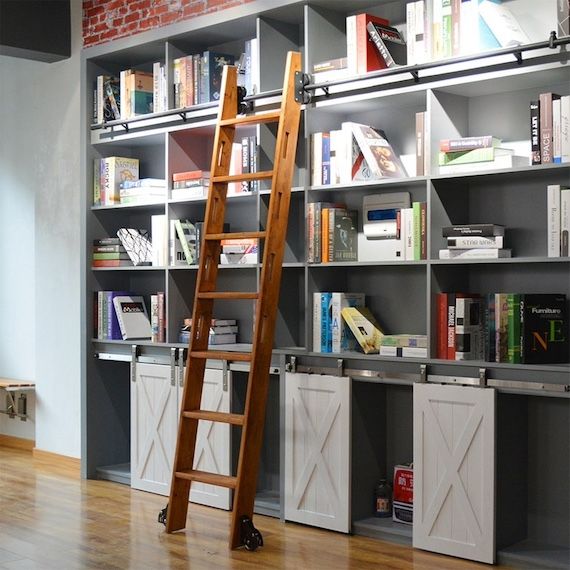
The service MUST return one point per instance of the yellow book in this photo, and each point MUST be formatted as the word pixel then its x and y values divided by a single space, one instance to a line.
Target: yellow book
pixel 364 327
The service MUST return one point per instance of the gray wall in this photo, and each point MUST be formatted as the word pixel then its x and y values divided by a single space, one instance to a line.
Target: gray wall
pixel 40 241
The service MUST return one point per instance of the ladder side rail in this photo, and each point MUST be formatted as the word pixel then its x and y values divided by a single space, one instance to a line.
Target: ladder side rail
pixel 266 310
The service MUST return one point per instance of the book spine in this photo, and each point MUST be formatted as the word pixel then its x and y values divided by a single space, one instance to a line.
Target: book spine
pixel 317 159
pixel 553 220
pixel 161 316
pixel 380 45
pixel 466 143
pixel 446 28
pixel 154 318
pixel 522 325
pixel 423 230
pixel 245 185
pixel 490 327
pixel 351 54
pixel 495 242
pixel 420 144
pixel 535 132
pixel 556 132
pixel 97 182
pixel 310 232
pixel 455 27
pixel 336 321
pixel 416 209
pixel 317 322
pixel 513 329
pixel 205 78
pixel 252 155
pixel 565 222
pixel 411 32
pixel 421 37
pixel 325 322
pixel 325 213
pixel 501 327
pixel 441 325
pixel 546 127
pixel 565 128
pixel 451 325
pixel 326 159
pixel 100 309
pixel 318 223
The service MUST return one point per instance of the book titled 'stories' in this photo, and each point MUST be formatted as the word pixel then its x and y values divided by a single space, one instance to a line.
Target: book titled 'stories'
pixel 133 317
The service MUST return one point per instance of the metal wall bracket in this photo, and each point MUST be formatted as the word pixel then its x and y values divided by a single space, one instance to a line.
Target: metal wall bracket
pixel 482 377
pixel 551 39
pixel 183 116
pixel 135 351
pixel 518 56
pixel 301 81
pixel 415 75
pixel 423 373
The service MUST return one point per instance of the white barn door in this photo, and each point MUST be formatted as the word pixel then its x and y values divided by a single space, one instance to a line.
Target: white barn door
pixel 317 450
pixel 454 471
pixel 154 417
pixel 213 442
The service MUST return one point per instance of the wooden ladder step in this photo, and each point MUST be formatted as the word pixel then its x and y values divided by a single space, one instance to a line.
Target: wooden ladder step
pixel 271 117
pixel 210 478
pixel 222 355
pixel 244 176
pixel 235 235
pixel 227 295
pixel 221 417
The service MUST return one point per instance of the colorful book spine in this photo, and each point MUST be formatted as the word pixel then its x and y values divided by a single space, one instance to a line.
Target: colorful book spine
pixel 513 328
pixel 535 132
pixel 546 140
pixel 326 336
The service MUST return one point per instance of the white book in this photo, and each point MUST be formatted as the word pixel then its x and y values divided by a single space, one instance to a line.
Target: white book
pixel 156 100
pixel 503 161
pixel 565 128
pixel 317 159
pixel 175 249
pixel 564 222
pixel 337 153
pixel 330 75
pixel 411 33
pixel 238 258
pixel 414 352
pixel 351 50
pixel 407 232
pixel 553 220
pixel 556 131
pixel 420 39
pixel 154 317
pixel 342 338
pixel 390 350
pixel 132 316
pixel 467 242
pixel 159 239
pixel 469 27
pixel 503 24
pixel 475 253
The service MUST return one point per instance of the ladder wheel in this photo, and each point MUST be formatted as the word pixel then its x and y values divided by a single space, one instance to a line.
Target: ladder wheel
pixel 162 515
pixel 250 537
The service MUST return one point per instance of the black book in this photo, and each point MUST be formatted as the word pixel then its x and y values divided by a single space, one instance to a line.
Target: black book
pixel 535 132
pixel 473 230
pixel 389 43
pixel 544 329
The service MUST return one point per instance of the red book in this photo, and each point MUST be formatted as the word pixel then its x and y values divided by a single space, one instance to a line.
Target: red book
pixel 367 55
pixel 111 263
pixel 441 325
pixel 190 175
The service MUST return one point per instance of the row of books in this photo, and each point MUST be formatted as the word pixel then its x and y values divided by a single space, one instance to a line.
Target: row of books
pixel 353 152
pixel 558 220
pixel 474 241
pixel 550 129
pixel 503 327
pixel 122 315
pixel 222 331
pixel 108 175
pixel 475 153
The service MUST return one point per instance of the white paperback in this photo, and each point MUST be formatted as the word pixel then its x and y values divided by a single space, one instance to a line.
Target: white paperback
pixel 565 222
pixel 480 242
pixel 342 338
pixel 159 240
pixel 474 253
pixel 553 220
pixel 132 316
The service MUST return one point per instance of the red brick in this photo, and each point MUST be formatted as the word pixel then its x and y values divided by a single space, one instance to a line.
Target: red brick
pixel 149 23
pixel 109 34
pixel 132 17
pixel 169 18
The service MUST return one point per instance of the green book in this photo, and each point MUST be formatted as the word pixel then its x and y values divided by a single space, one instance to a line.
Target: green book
pixel 513 328
pixel 468 156
pixel 417 229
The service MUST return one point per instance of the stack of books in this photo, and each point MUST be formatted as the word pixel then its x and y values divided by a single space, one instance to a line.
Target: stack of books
pixel 222 331
pixel 330 70
pixel 472 154
pixel 474 241
pixel 190 184
pixel 142 191
pixel 241 251
pixel 110 252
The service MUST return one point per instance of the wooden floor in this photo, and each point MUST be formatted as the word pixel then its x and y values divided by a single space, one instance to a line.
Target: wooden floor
pixel 51 519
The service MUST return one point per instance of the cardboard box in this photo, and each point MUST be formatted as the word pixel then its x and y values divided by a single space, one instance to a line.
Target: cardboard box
pixel 403 503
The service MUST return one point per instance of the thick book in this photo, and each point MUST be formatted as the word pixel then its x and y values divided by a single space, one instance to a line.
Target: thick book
pixel 469 156
pixel 133 317
pixel 343 235
pixel 486 230
pixel 378 152
pixel 544 329
pixel 211 74
pixel 186 232
pixel 342 338
pixel 503 24
pixel 474 253
pixel 389 42
pixel 479 242
pixel 364 327
pixel 362 55
pixel 553 193
pixel 499 162
pixel 546 136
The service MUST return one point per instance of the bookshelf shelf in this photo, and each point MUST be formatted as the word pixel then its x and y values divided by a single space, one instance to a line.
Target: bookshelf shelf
pixel 465 96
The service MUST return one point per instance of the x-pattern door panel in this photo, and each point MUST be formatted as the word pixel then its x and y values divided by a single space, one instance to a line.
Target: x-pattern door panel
pixel 154 416
pixel 317 450
pixel 454 471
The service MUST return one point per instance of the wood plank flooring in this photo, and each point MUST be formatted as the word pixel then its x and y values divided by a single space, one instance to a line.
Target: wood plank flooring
pixel 51 519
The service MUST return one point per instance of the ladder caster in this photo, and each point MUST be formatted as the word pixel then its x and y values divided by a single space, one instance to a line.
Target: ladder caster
pixel 162 515
pixel 250 537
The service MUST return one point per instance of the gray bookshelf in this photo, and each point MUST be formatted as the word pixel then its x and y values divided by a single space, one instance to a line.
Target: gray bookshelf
pixel 533 464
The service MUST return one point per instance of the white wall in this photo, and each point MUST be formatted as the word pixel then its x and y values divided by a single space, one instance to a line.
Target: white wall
pixel 40 239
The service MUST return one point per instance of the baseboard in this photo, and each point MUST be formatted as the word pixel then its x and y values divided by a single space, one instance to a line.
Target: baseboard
pixel 61 460
pixel 17 442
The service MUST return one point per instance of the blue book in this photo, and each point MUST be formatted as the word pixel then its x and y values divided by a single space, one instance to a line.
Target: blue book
pixel 326 330
pixel 326 158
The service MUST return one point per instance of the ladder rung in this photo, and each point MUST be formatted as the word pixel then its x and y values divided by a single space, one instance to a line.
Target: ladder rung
pixel 228 295
pixel 222 355
pixel 222 417
pixel 244 176
pixel 209 478
pixel 235 235
pixel 271 117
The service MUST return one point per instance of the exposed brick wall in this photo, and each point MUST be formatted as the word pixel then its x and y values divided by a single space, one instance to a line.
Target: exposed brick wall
pixel 106 20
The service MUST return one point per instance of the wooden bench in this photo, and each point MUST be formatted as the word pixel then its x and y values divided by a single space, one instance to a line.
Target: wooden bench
pixel 11 386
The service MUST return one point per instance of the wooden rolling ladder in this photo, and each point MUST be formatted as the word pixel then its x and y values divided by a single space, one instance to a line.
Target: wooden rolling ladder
pixel 267 297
